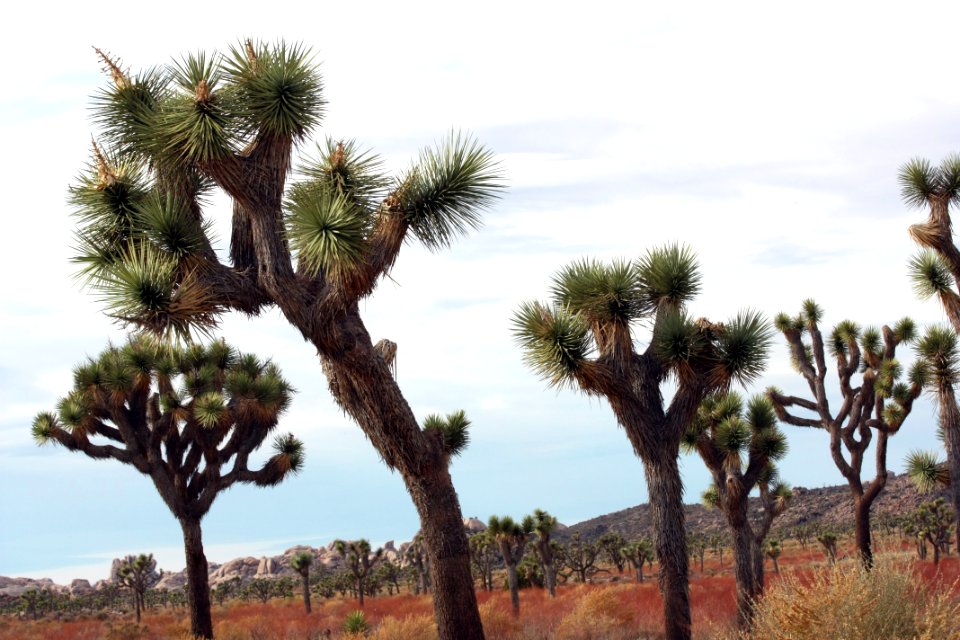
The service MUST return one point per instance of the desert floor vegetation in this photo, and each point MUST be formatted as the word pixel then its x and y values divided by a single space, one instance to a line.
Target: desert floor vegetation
pixel 901 598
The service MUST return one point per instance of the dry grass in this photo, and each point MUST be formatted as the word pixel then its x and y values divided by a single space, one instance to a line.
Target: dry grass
pixel 846 601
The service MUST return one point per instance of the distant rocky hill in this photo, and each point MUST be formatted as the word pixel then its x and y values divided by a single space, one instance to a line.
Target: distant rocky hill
pixel 829 507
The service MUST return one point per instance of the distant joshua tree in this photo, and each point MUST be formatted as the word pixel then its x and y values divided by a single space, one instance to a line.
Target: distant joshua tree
pixel 611 544
pixel 637 553
pixel 828 541
pixel 138 573
pixel 580 557
pixel 483 551
pixel 877 406
pixel 301 563
pixel 542 524
pixel 932 522
pixel 773 551
pixel 512 538
pixel 359 559
pixel 739 448
pixel 189 418
pixel 583 339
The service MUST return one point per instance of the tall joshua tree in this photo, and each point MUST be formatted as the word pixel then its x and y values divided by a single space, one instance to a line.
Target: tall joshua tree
pixel 936 272
pixel 879 404
pixel 583 339
pixel 138 573
pixel 483 550
pixel 939 353
pixel 301 563
pixel 189 418
pixel 542 524
pixel 314 249
pixel 637 553
pixel 512 538
pixel 360 560
pixel 723 434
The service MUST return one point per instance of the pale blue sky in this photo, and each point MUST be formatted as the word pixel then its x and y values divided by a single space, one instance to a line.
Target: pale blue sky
pixel 767 138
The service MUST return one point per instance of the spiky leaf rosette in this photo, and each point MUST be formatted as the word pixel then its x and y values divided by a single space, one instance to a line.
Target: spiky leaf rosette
pixel 601 293
pixel 742 349
pixel 555 341
pixel 341 167
pixel 158 406
pixel 920 180
pixel 443 195
pixel 327 230
pixel 669 276
pixel 454 431
pixel 926 470
pixel 940 356
pixel 278 88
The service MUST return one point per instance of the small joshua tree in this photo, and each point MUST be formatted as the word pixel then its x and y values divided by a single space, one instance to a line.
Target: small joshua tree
pixel 739 448
pixel 483 551
pixel 189 418
pixel 611 544
pixel 416 557
pixel 512 538
pixel 878 405
pixel 360 560
pixel 637 553
pixel 580 557
pixel 138 573
pixel 828 541
pixel 542 524
pixel 773 551
pixel 932 522
pixel 301 563
pixel 584 339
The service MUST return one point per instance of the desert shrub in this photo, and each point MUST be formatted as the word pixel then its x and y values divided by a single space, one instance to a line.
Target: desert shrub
pixel 407 628
pixel 126 631
pixel 847 601
pixel 598 615
pixel 498 623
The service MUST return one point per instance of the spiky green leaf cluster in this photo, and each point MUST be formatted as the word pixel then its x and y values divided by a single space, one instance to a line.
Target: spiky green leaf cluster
pixel 444 194
pixel 938 351
pixel 454 431
pixel 926 470
pixel 930 274
pixel 920 180
pixel 555 341
pixel 600 292
pixel 743 347
pixel 327 230
pixel 669 275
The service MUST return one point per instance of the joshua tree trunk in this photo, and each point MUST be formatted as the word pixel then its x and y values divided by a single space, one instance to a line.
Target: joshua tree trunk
pixel 448 554
pixel 669 539
pixel 361 587
pixel 950 422
pixel 306 592
pixel 640 572
pixel 198 583
pixel 514 590
pixel 136 604
pixel 744 563
pixel 360 381
pixel 861 528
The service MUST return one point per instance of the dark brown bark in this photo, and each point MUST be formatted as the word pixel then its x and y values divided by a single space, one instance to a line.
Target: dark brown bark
pixel 861 529
pixel 744 571
pixel 306 592
pixel 448 553
pixel 950 422
pixel 198 584
pixel 669 539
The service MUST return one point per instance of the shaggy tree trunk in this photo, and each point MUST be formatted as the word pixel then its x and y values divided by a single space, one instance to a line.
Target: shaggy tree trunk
pixel 758 577
pixel 744 568
pixel 448 553
pixel 950 422
pixel 306 592
pixel 514 588
pixel 360 381
pixel 670 542
pixel 861 528
pixel 198 582
pixel 550 576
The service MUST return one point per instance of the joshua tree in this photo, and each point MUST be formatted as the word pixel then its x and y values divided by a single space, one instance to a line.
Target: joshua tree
pixel 697 544
pixel 301 563
pixel 940 356
pixel 580 557
pixel 739 448
pixel 932 522
pixel 416 557
pixel 360 560
pixel 828 541
pixel 138 573
pixel 637 553
pixel 773 551
pixel 512 538
pixel 583 339
pixel 936 272
pixel 611 544
pixel 879 404
pixel 483 549
pixel 542 524
pixel 314 250
pixel 189 418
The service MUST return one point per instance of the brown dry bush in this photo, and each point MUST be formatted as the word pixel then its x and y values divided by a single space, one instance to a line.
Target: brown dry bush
pixel 847 601
pixel 408 628
pixel 599 615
